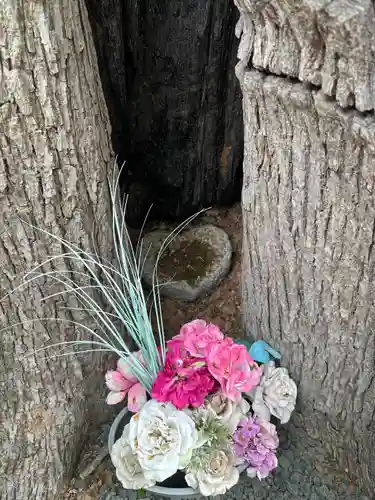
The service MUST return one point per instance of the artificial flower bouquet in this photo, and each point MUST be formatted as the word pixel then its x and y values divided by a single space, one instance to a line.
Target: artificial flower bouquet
pixel 202 404
pixel 208 413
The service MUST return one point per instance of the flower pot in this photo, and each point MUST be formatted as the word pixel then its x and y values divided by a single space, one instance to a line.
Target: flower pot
pixel 174 486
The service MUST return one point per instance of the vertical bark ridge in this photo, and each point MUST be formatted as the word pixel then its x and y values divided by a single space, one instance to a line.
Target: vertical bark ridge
pixel 54 158
pixel 308 263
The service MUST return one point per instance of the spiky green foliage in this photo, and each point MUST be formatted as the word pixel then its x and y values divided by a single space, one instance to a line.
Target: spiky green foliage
pixel 200 458
pixel 112 294
pixel 210 429
pixel 212 434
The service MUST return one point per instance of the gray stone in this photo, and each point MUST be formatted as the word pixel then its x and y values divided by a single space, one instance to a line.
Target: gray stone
pixel 110 495
pixel 293 488
pixel 314 496
pixel 297 477
pixel 207 251
pixel 323 491
pixel 284 463
pixel 257 486
pixel 317 481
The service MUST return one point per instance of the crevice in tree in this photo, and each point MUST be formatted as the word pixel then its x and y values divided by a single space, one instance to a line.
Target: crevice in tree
pixel 313 89
pixel 167 70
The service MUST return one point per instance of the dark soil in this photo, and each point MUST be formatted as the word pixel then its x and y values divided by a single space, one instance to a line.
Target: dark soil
pixel 187 261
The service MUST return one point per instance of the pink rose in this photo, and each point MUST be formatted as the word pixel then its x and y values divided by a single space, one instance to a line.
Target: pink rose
pixel 197 335
pixel 196 326
pixel 197 343
pixel 233 367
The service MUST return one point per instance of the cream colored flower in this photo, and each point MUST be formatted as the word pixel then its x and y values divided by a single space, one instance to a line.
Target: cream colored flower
pixel 163 438
pixel 128 469
pixel 275 395
pixel 228 412
pixel 216 476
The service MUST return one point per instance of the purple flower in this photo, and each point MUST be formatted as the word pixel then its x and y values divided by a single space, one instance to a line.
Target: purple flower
pixel 256 441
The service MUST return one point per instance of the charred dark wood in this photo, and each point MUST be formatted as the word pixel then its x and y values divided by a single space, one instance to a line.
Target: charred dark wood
pixel 167 69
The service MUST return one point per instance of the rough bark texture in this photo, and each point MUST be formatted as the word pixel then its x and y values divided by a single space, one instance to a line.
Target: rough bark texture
pixel 308 261
pixel 54 157
pixel 309 212
pixel 328 43
pixel 175 105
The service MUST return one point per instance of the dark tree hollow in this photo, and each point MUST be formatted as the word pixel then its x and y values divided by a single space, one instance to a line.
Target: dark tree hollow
pixel 167 70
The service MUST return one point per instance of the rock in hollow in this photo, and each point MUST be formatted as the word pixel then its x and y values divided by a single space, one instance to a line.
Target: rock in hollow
pixel 192 265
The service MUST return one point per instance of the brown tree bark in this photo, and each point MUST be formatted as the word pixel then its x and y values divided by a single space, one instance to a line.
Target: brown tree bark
pixel 54 158
pixel 309 212
pixel 175 105
pixel 328 44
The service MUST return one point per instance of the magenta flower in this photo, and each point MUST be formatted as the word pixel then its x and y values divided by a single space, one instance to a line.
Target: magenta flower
pixel 233 367
pixel 255 441
pixel 122 382
pixel 184 381
pixel 176 352
pixel 197 336
pixel 187 388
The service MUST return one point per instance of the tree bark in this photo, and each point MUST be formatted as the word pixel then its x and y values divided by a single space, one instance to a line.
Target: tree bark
pixel 168 74
pixel 326 43
pixel 308 216
pixel 54 158
pixel 309 211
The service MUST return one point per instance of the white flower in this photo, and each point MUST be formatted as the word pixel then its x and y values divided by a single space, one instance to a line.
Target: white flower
pixel 275 395
pixel 128 469
pixel 217 475
pixel 163 439
pixel 228 412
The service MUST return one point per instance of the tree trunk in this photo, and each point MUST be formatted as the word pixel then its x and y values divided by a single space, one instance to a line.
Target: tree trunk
pixel 168 74
pixel 308 213
pixel 54 158
pixel 328 44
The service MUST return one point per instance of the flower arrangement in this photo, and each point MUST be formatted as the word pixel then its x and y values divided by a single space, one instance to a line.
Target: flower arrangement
pixel 201 402
pixel 208 414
